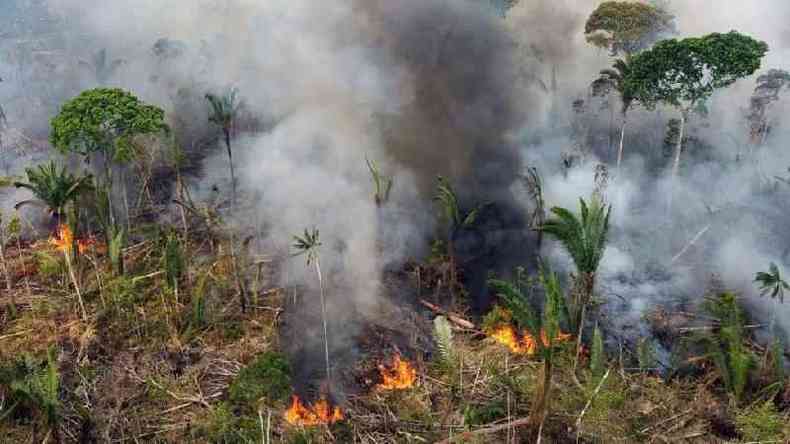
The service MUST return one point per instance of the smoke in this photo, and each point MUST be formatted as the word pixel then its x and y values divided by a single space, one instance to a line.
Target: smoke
pixel 426 88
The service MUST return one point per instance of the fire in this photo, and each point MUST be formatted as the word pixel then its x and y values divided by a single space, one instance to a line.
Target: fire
pixel 65 239
pixel 527 345
pixel 320 413
pixel 401 375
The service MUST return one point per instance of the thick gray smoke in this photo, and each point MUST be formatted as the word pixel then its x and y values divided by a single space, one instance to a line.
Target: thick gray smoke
pixel 423 87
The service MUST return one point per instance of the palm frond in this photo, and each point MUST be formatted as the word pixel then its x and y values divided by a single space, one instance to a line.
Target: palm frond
pixel 584 237
pixel 307 244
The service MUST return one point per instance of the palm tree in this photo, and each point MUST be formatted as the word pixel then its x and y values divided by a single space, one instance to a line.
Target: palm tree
pixel 613 79
pixel 771 283
pixel 544 328
pixel 534 184
pixel 455 218
pixel 103 68
pixel 309 245
pixel 53 188
pixel 584 238
pixel 224 110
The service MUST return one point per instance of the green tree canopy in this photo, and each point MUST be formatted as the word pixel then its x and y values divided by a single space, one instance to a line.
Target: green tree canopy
pixel 102 118
pixel 685 73
pixel 627 27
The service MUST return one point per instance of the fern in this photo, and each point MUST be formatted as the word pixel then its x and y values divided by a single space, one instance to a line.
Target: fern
pixel 443 337
pixel 726 347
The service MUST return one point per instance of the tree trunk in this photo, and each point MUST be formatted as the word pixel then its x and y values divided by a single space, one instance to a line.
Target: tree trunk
pixel 323 319
pixel 540 404
pixel 678 151
pixel 232 172
pixel 622 141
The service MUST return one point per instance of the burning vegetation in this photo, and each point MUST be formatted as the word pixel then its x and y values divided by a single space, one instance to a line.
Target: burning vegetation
pixel 525 344
pixel 395 154
pixel 399 375
pixel 320 413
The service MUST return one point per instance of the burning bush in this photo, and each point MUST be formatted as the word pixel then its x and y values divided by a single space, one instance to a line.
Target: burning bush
pixel 320 413
pixel 399 376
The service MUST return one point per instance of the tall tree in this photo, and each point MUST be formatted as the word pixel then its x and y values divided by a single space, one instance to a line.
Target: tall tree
pixel 224 110
pixel 613 79
pixel 104 122
pixel 625 28
pixel 309 245
pixel 685 73
pixel 769 85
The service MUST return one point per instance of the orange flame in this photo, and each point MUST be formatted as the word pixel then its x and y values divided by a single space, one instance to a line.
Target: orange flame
pixel 401 375
pixel 65 240
pixel 319 414
pixel 527 345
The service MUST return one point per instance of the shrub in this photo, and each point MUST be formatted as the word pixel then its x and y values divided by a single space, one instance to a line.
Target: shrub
pixel 761 423
pixel 268 376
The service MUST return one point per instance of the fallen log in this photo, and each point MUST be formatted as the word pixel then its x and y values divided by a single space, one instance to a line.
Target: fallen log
pixel 465 436
pixel 457 320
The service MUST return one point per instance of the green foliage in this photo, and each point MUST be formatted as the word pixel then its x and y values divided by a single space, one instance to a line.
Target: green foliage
pixel 771 282
pixel 115 246
pixel 268 376
pixel 48 265
pixel 174 260
pixel 584 237
pixel 33 387
pixel 683 73
pixel 614 79
pixel 627 27
pixel 725 346
pixel 443 338
pixel 382 183
pixel 53 187
pixel 308 244
pixel 451 211
pixel 479 414
pixel 224 108
pixel 224 426
pixel 98 118
pixel 645 354
pixel 517 303
pixel 762 424
pixel 597 355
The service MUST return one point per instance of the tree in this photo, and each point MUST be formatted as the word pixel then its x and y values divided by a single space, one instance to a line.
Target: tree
pixel 545 329
pixel 534 185
pixel 53 188
pixel 104 121
pixel 456 220
pixel 769 85
pixel 224 110
pixel 101 66
pixel 685 73
pixel 584 237
pixel 309 245
pixel 627 27
pixel 614 79
pixel 771 283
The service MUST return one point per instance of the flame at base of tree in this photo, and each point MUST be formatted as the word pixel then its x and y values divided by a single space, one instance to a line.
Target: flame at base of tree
pixel 64 241
pixel 526 344
pixel 401 375
pixel 320 413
